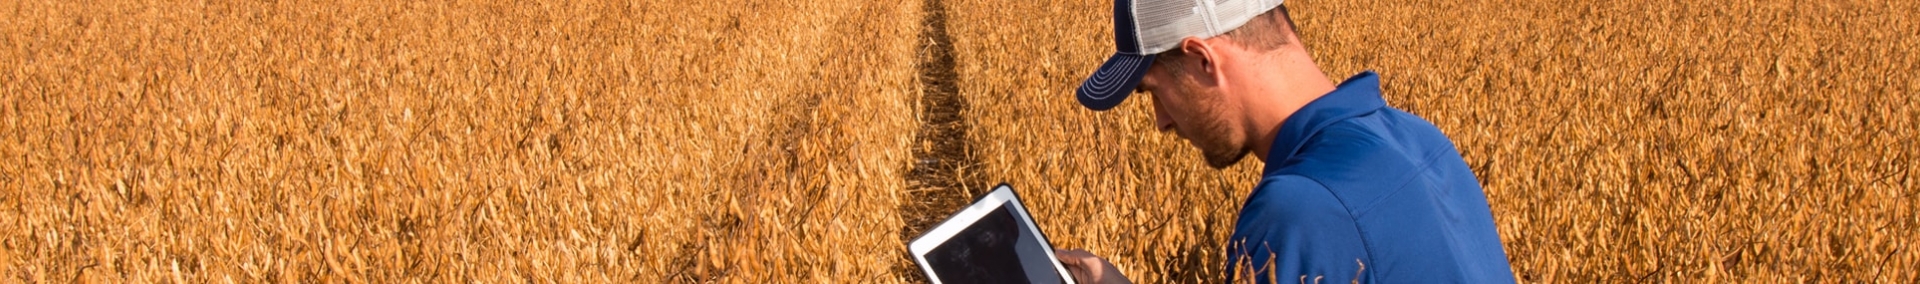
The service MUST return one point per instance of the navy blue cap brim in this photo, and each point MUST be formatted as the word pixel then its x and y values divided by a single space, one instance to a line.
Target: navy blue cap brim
pixel 1115 80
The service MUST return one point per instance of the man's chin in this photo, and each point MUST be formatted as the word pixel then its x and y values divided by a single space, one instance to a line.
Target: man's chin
pixel 1222 160
pixel 1218 159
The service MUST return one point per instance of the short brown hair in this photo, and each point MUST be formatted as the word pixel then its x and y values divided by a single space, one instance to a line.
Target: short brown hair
pixel 1264 32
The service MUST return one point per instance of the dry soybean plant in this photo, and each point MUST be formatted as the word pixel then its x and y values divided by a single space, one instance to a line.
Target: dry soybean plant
pixel 675 141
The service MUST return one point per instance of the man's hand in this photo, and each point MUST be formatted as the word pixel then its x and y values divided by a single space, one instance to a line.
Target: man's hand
pixel 1087 268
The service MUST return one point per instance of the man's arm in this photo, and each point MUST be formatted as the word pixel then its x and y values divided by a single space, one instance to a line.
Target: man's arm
pixel 1295 231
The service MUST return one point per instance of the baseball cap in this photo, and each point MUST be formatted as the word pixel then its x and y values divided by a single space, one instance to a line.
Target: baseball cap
pixel 1142 28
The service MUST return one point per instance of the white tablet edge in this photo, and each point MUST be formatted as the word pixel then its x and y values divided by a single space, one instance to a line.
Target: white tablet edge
pixel 946 229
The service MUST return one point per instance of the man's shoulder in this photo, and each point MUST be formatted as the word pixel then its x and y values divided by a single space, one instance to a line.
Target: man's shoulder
pixel 1282 203
pixel 1356 149
pixel 1386 126
pixel 1379 138
pixel 1280 187
pixel 1293 226
pixel 1291 197
pixel 1367 157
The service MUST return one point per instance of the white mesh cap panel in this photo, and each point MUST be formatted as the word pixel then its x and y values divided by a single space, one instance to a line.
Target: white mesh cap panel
pixel 1164 22
pixel 1233 13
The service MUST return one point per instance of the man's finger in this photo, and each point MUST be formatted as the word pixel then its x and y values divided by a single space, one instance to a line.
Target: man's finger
pixel 1069 259
pixel 1073 257
pixel 1078 263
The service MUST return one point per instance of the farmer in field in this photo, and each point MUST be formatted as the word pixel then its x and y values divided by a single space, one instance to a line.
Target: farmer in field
pixel 1352 188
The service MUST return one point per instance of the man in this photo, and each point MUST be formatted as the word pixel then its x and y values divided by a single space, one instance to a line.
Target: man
pixel 1352 190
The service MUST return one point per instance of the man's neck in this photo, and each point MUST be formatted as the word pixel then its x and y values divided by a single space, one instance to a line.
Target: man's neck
pixel 1287 81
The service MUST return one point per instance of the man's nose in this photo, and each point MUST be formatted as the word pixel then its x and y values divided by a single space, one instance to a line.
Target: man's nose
pixel 1161 120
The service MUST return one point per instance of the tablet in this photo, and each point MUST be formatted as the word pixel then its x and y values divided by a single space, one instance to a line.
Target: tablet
pixel 992 241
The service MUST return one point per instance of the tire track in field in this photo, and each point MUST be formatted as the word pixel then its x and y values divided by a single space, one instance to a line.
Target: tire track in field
pixel 939 180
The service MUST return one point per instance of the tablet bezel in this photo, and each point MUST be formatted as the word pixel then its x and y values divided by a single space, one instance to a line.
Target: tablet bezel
pixel 1001 194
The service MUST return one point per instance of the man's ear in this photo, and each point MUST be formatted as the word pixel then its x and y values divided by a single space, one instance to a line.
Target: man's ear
pixel 1207 60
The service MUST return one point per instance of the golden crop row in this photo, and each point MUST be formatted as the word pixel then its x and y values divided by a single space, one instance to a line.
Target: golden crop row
pixel 368 141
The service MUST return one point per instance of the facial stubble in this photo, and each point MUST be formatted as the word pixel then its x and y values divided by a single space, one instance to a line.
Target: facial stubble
pixel 1208 130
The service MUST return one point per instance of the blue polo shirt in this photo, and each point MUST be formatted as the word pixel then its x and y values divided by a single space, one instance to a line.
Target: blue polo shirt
pixel 1350 181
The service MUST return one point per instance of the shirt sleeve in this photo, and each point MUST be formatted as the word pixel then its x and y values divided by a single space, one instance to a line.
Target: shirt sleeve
pixel 1293 229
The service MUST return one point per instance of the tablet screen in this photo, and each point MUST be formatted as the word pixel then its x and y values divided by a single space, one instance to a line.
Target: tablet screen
pixel 992 241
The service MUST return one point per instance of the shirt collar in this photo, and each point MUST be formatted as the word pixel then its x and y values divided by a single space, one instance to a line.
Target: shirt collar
pixel 1356 96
